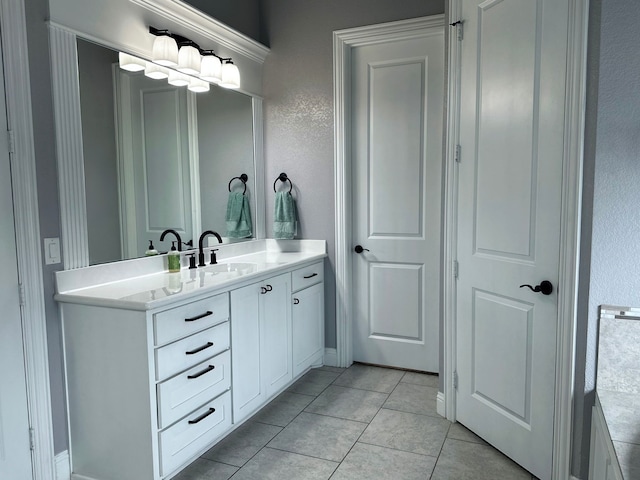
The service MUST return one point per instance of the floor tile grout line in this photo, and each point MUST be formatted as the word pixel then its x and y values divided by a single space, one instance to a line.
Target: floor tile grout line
pixel 303 455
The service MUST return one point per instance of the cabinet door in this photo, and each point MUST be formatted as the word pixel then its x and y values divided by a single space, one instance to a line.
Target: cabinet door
pixel 248 392
pixel 276 353
pixel 308 327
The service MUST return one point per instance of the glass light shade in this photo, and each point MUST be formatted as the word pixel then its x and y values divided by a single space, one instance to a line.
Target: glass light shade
pixel 155 71
pixel 198 86
pixel 230 76
pixel 165 51
pixel 178 79
pixel 211 69
pixel 130 63
pixel 189 60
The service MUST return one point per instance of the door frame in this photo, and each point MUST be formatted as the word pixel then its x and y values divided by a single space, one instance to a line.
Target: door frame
pixel 344 41
pixel 569 231
pixel 25 199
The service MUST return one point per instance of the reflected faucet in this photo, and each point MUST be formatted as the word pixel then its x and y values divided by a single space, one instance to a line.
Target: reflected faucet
pixel 177 235
pixel 201 247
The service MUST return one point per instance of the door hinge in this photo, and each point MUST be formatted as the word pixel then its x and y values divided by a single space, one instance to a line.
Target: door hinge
pixel 458 154
pixel 11 141
pixel 32 441
pixel 455 379
pixel 459 27
pixel 456 269
pixel 21 295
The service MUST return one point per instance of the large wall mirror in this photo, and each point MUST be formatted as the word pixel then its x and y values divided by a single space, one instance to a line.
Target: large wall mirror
pixel 137 156
pixel 157 157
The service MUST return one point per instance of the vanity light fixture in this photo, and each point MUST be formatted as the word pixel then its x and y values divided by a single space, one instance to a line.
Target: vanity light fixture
pixel 211 67
pixel 189 59
pixel 131 63
pixel 230 75
pixel 156 72
pixel 165 48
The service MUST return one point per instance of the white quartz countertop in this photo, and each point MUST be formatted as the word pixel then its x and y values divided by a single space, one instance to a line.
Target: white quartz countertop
pixel 100 286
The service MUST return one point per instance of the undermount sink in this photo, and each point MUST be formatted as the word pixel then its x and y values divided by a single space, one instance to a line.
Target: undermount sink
pixel 231 267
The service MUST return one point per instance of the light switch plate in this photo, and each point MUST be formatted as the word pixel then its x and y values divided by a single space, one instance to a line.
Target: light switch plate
pixel 51 251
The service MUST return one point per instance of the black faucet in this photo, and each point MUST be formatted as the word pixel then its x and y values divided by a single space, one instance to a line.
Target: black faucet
pixel 180 242
pixel 201 247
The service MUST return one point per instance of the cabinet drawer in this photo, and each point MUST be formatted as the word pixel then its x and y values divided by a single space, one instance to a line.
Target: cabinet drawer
pixel 181 394
pixel 191 435
pixel 185 353
pixel 306 276
pixel 190 318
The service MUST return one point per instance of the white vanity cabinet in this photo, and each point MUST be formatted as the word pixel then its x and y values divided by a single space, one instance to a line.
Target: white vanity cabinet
pixel 308 317
pixel 146 390
pixel 603 462
pixel 261 337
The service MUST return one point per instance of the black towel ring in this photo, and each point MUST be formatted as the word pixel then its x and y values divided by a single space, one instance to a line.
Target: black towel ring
pixel 283 178
pixel 243 178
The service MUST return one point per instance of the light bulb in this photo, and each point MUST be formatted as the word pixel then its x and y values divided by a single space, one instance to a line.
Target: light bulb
pixel 130 63
pixel 230 76
pixel 165 51
pixel 189 60
pixel 211 69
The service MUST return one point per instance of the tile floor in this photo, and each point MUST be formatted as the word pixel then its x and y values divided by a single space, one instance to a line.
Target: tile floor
pixel 360 423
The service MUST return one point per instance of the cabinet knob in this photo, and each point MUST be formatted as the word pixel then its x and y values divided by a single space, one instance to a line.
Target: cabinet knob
pixel 296 301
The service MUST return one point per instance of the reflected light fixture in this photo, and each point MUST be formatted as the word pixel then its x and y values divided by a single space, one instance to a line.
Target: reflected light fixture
pixel 189 59
pixel 178 79
pixel 211 67
pixel 131 63
pixel 156 72
pixel 198 86
pixel 165 48
pixel 230 75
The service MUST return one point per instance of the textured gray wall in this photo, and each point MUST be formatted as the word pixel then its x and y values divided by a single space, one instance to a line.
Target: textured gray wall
pixel 298 89
pixel 242 15
pixel 37 12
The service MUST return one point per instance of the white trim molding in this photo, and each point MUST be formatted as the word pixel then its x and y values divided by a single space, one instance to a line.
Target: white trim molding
pixel 343 42
pixel 63 466
pixel 441 404
pixel 330 357
pixel 569 235
pixel 25 200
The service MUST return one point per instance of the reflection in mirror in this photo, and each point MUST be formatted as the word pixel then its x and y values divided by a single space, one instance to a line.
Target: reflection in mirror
pixel 157 157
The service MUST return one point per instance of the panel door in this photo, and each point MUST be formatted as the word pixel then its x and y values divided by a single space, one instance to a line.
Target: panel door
pixel 397 111
pixel 156 144
pixel 511 136
pixel 15 453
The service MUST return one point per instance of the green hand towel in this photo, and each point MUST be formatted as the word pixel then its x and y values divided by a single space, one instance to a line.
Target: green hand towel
pixel 238 216
pixel 285 219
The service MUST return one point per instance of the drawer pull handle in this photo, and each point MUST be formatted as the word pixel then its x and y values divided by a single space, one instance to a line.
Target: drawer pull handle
pixel 199 349
pixel 269 288
pixel 296 301
pixel 199 374
pixel 202 417
pixel 311 276
pixel 263 290
pixel 198 317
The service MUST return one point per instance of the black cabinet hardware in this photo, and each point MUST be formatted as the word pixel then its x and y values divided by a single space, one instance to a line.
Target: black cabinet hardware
pixel 311 276
pixel 296 301
pixel 203 416
pixel 198 317
pixel 199 349
pixel 202 372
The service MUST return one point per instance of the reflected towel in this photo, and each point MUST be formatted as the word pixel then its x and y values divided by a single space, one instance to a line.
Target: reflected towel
pixel 238 216
pixel 285 221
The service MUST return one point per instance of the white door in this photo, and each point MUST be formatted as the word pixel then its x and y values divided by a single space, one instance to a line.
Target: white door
pixel 156 143
pixel 511 136
pixel 15 453
pixel 397 105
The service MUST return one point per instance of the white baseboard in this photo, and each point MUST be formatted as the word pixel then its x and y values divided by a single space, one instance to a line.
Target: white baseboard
pixel 440 405
pixel 63 467
pixel 331 357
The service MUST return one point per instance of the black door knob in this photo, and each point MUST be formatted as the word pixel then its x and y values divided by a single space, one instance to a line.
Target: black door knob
pixel 360 249
pixel 545 287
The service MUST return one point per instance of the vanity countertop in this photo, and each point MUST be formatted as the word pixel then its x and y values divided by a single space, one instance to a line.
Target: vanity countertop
pixel 145 284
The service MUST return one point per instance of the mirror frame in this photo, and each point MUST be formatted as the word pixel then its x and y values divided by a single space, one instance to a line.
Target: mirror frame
pixel 66 102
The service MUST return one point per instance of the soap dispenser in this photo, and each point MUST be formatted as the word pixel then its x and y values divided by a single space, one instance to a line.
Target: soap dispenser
pixel 174 259
pixel 151 251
